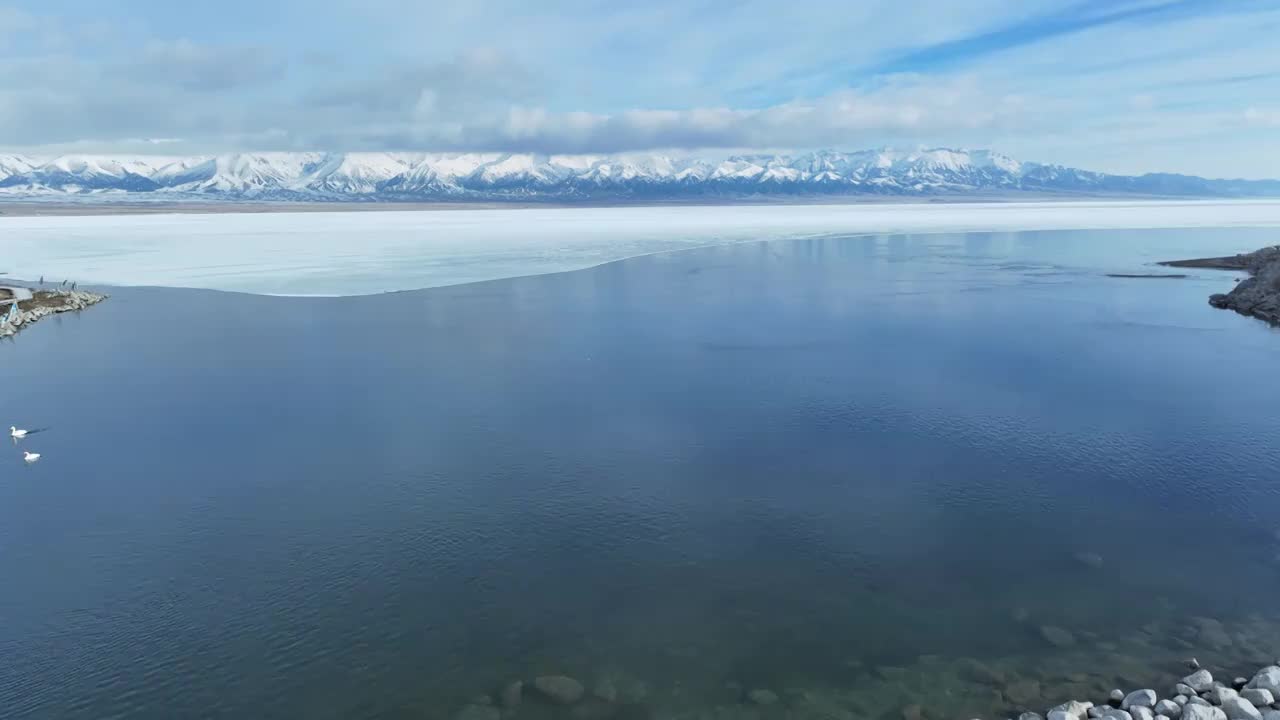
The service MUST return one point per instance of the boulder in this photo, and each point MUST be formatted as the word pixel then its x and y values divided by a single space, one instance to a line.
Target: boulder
pixel 1268 678
pixel 1237 708
pixel 1219 694
pixel 1258 696
pixel 1199 681
pixel 560 688
pixel 1139 698
pixel 1195 711
pixel 1074 708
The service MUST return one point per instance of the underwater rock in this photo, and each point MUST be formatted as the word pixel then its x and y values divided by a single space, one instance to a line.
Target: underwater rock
pixel 1056 636
pixel 560 688
pixel 512 694
pixel 478 712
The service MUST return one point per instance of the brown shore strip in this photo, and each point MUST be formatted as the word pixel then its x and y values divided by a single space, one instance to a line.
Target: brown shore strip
pixel 1257 295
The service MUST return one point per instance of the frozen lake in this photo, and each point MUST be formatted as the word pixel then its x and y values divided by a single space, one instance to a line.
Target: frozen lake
pixel 360 253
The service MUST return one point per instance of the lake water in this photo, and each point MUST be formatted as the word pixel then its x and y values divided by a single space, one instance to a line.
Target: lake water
pixel 861 472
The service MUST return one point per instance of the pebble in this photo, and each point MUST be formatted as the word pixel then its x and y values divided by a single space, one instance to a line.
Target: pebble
pixel 1114 712
pixel 764 697
pixel 1180 699
pixel 560 688
pixel 1168 708
pixel 1141 712
pixel 1116 696
pixel 1061 715
pixel 1095 712
pixel 1196 700
pixel 1239 683
pixel 1184 689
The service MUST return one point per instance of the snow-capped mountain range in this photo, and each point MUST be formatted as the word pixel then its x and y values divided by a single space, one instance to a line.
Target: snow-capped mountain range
pixel 570 178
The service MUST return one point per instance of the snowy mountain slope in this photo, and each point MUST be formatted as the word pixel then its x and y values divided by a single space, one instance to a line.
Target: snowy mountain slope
pixel 376 176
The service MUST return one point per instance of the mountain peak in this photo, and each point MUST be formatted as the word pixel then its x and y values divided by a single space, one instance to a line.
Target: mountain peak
pixel 392 176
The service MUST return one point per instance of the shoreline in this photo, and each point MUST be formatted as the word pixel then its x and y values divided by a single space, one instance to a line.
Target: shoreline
pixel 1256 296
pixel 21 307
pixel 25 207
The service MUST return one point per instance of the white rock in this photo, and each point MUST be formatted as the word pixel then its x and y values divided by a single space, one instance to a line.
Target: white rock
pixel 1141 712
pixel 1095 712
pixel 1074 708
pixel 1220 695
pixel 1199 681
pixel 1116 713
pixel 1268 678
pixel 1258 696
pixel 1139 698
pixel 1061 715
pixel 1184 689
pixel 1180 699
pixel 1196 711
pixel 1271 715
pixel 1197 700
pixel 1168 708
pixel 1237 708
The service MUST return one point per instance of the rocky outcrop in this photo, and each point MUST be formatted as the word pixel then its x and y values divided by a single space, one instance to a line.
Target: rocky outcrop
pixel 1256 296
pixel 42 304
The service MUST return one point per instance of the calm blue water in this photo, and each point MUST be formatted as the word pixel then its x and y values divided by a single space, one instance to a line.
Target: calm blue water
pixel 787 465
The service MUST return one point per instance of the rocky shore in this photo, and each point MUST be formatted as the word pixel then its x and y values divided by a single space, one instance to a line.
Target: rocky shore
pixel 40 304
pixel 1066 673
pixel 1196 696
pixel 1256 296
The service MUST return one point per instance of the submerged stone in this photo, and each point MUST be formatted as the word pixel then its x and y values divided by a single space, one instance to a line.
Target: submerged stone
pixel 1057 636
pixel 560 688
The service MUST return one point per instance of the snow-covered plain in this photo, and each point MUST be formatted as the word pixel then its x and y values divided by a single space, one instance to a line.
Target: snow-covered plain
pixel 357 253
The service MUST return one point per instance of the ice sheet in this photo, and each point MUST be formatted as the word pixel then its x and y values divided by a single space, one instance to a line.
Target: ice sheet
pixel 355 253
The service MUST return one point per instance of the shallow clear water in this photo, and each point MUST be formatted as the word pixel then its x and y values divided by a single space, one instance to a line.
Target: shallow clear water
pixel 844 469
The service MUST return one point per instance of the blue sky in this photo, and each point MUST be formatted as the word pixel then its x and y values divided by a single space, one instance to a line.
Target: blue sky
pixel 1117 85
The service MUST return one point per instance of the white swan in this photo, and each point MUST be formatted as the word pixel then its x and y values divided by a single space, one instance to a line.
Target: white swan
pixel 16 433
pixel 30 456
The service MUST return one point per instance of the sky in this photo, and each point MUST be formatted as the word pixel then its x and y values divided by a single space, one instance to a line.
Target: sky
pixel 1126 86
